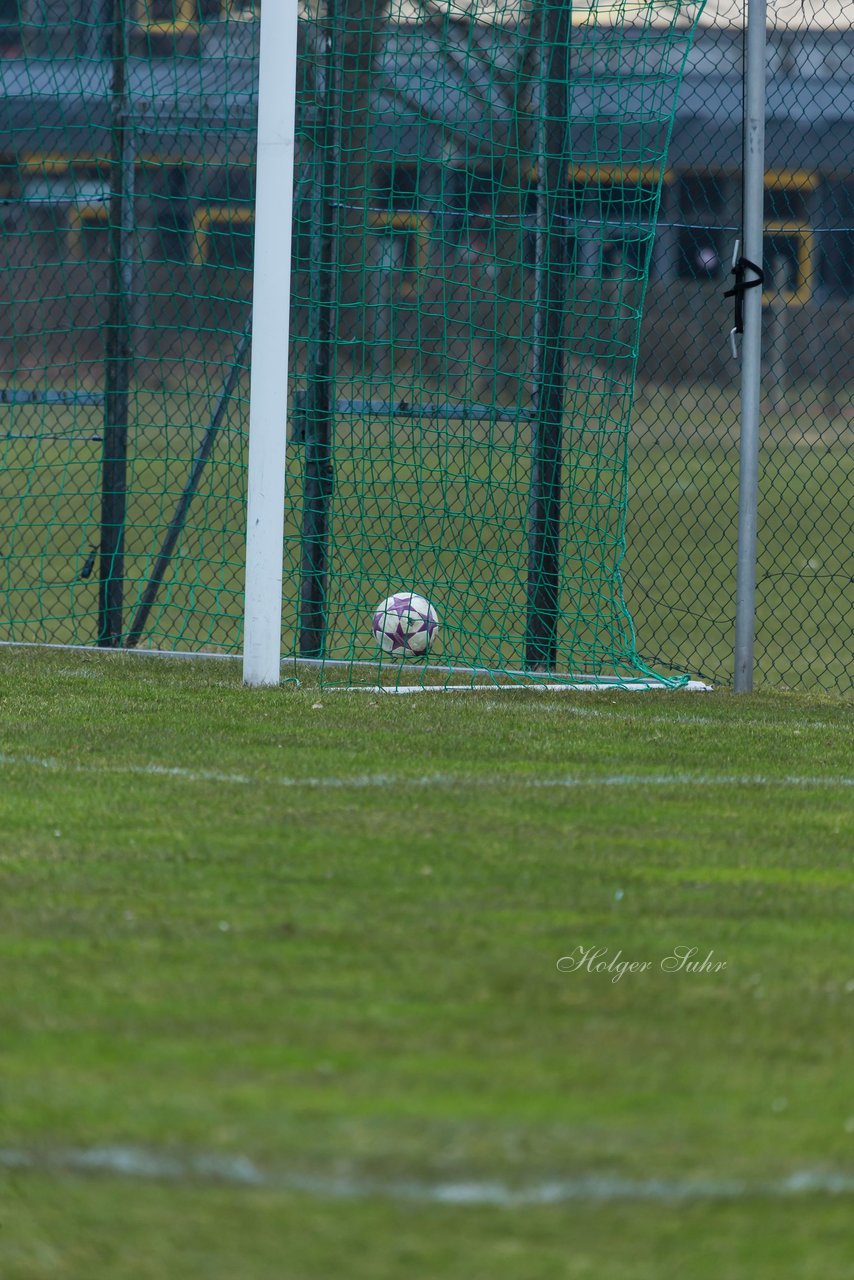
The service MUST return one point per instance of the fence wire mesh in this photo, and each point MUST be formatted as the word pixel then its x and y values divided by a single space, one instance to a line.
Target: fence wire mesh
pixel 419 178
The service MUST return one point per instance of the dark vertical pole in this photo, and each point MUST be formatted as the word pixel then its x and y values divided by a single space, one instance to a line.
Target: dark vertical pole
pixel 318 479
pixel 117 348
pixel 544 511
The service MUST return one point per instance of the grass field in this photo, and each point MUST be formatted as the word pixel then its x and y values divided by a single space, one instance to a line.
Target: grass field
pixel 446 510
pixel 281 994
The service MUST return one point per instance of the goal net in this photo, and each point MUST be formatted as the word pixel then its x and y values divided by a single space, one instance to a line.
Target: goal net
pixel 485 180
pixel 475 199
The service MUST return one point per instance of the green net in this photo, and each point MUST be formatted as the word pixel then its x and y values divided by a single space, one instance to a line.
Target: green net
pixel 476 197
pixel 470 281
pixel 127 150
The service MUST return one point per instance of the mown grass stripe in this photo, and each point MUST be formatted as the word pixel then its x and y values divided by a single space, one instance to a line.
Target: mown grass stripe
pixel 380 781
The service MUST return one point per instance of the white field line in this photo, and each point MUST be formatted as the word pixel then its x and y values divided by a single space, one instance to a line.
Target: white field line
pixel 380 781
pixel 136 1162
pixel 96 649
pixel 51 765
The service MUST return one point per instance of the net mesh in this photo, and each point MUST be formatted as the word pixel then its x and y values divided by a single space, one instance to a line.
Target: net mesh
pixel 469 272
pixel 126 245
pixel 470 282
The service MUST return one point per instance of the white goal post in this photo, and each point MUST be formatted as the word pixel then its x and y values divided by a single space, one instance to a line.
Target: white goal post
pixel 268 395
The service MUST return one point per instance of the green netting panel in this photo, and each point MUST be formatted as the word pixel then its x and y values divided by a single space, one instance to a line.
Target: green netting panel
pixel 484 184
pixel 679 566
pixel 127 210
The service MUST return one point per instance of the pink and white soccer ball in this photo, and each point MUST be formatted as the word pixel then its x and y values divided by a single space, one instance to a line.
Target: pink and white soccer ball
pixel 405 625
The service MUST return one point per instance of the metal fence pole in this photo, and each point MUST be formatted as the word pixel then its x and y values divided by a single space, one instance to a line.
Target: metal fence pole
pixel 552 241
pixel 751 355
pixel 118 356
pixel 318 479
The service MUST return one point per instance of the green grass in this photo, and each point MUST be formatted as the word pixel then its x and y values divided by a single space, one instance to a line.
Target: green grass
pixel 69 1230
pixel 327 942
pixel 445 510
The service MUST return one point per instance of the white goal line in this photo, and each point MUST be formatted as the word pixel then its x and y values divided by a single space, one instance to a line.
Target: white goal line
pixel 513 679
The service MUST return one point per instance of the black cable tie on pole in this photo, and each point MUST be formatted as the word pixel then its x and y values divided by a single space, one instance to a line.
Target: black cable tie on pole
pixel 89 565
pixel 740 267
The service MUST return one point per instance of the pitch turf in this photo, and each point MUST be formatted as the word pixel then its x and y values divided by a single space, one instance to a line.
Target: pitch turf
pixel 289 959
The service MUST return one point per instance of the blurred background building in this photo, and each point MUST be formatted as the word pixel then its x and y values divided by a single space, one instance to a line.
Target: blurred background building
pixel 436 165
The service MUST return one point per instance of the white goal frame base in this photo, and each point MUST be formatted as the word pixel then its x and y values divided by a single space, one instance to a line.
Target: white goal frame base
pixel 586 686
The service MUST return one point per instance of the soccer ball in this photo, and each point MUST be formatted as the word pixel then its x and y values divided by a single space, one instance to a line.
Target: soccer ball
pixel 405 625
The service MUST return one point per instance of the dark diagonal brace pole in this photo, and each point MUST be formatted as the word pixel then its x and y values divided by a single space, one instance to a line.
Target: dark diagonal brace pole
pixel 182 510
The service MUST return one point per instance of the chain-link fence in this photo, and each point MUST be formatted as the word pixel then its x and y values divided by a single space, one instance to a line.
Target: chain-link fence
pixel 126 159
pixel 683 511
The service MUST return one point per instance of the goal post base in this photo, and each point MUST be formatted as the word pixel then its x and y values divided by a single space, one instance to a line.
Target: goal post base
pixel 589 686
